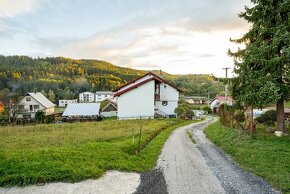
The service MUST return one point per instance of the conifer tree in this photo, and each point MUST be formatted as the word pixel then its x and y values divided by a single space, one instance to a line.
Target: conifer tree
pixel 263 66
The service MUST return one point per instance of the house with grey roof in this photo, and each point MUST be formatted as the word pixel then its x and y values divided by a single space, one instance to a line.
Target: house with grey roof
pixel 31 103
pixel 82 111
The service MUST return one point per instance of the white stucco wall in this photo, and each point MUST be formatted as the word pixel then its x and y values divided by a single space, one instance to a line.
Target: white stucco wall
pixel 169 94
pixel 109 114
pixel 27 107
pixel 90 99
pixel 49 111
pixel 64 103
pixel 136 82
pixel 137 102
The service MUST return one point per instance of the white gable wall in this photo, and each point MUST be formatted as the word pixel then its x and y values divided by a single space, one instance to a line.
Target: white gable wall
pixel 136 82
pixel 169 94
pixel 27 104
pixel 137 102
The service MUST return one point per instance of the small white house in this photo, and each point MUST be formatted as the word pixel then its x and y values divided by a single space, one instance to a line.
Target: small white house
pixel 64 103
pixel 220 100
pixel 103 95
pixel 87 97
pixel 110 108
pixel 33 102
pixel 148 96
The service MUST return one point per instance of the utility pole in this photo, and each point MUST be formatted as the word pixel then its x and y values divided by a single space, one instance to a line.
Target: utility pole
pixel 207 97
pixel 226 86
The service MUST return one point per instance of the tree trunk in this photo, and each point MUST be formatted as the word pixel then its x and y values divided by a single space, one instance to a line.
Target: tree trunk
pixel 280 115
pixel 251 127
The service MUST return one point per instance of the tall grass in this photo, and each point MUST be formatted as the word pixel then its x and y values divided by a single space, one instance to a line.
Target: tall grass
pixel 76 151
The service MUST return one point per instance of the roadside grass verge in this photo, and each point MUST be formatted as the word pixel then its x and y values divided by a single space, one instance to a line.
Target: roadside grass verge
pixel 72 152
pixel 263 154
pixel 191 137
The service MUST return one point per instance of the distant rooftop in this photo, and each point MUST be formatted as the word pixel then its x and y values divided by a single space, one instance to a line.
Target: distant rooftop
pixel 104 92
pixel 38 96
pixel 82 109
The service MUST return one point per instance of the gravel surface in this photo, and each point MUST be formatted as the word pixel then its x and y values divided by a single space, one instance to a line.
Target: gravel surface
pixel 152 182
pixel 202 167
pixel 232 178
pixel 184 167
pixel 113 182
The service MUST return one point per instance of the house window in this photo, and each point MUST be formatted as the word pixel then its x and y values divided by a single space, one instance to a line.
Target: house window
pixel 164 103
pixel 28 98
pixel 21 107
pixel 36 106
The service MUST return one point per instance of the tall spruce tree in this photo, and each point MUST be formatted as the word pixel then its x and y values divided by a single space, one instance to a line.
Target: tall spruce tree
pixel 263 66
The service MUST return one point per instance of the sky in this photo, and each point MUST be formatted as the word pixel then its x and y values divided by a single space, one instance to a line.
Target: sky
pixel 178 37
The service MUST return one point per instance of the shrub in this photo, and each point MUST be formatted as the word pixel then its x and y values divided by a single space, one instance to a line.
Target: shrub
pixel 207 109
pixel 268 118
pixel 184 111
pixel 240 116
pixel 39 116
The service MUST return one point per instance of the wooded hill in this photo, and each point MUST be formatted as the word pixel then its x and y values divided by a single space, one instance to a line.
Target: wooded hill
pixel 66 78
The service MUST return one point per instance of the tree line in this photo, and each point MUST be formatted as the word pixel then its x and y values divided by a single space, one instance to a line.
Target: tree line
pixel 64 78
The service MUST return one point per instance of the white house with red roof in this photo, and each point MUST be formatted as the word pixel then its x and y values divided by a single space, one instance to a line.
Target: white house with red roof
pixel 218 100
pixel 147 96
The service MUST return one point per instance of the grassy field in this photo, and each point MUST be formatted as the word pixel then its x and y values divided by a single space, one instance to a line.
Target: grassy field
pixel 287 104
pixel 264 154
pixel 72 152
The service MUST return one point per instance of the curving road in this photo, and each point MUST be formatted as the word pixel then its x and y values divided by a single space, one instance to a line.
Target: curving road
pixel 202 167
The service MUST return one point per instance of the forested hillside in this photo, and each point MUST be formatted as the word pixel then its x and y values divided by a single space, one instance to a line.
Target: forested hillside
pixel 59 77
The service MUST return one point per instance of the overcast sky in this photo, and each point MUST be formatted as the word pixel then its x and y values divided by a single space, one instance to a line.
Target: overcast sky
pixel 177 36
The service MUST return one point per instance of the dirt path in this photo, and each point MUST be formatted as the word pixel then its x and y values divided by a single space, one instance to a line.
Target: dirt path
pixel 112 182
pixel 202 167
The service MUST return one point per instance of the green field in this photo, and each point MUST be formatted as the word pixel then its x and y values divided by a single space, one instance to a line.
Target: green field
pixel 287 104
pixel 264 154
pixel 75 151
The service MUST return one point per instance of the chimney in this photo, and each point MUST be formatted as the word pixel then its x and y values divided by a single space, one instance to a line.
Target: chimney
pixel 160 73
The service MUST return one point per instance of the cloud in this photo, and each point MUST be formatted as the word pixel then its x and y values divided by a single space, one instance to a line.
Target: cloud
pixel 153 47
pixel 10 8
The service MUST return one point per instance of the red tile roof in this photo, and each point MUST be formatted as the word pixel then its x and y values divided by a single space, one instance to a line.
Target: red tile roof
pixel 155 77
pixel 222 98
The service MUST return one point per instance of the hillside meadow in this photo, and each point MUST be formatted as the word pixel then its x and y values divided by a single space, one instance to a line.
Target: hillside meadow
pixel 71 152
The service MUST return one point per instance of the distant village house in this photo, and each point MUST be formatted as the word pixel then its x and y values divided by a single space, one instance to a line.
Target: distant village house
pixel 109 108
pixel 218 100
pixel 196 100
pixel 98 96
pixel 103 95
pixel 33 102
pixel 82 111
pixel 64 103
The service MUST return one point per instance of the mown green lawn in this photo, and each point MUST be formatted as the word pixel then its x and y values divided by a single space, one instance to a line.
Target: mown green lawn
pixel 264 154
pixel 76 151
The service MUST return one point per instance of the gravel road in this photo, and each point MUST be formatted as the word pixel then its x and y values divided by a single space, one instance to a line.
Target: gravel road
pixel 112 182
pixel 202 167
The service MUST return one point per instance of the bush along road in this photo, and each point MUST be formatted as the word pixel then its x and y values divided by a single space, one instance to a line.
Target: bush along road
pixel 199 168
